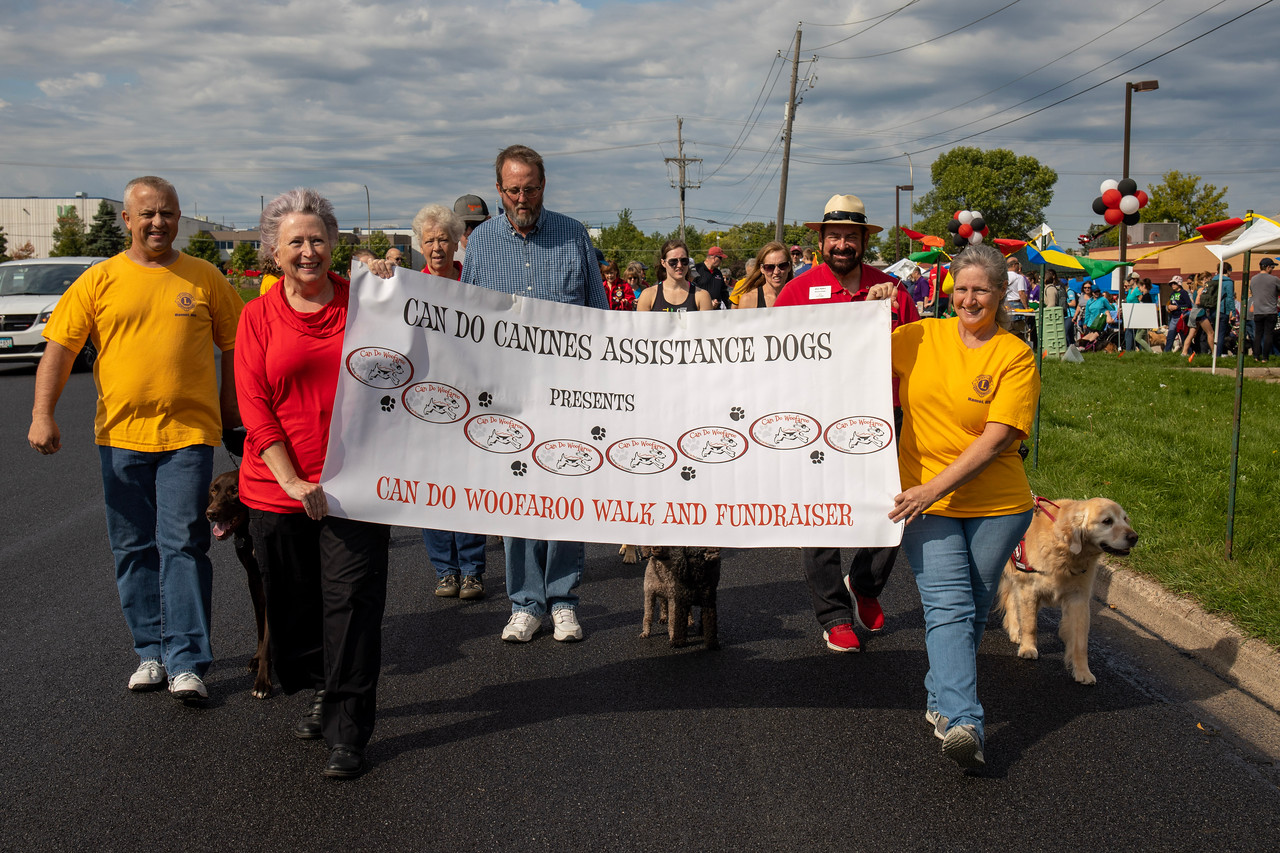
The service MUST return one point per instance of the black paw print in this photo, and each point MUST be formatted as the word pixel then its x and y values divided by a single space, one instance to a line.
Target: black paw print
pixel 485 399
pixel 388 403
pixel 519 468
pixel 817 457
pixel 737 413
pixel 688 473
pixel 597 433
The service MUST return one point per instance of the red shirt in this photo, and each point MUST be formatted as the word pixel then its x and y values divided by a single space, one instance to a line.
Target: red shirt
pixel 287 367
pixel 819 286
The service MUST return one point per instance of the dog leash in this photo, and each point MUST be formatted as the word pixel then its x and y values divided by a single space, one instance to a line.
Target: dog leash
pixel 1019 558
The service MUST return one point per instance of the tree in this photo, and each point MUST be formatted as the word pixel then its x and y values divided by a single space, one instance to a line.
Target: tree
pixel 1180 198
pixel 340 262
pixel 105 235
pixel 68 235
pixel 202 245
pixel 4 246
pixel 23 252
pixel 243 257
pixel 378 243
pixel 1010 191
pixel 894 245
pixel 623 242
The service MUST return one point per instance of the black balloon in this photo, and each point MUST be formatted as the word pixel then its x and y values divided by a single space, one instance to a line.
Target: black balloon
pixel 978 223
pixel 1099 206
pixel 1128 186
pixel 953 226
pixel 1132 218
pixel 958 240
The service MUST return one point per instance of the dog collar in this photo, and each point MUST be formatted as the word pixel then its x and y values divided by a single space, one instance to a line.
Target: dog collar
pixel 1019 558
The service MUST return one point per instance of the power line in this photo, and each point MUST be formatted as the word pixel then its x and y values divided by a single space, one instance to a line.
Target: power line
pixel 883 18
pixel 917 44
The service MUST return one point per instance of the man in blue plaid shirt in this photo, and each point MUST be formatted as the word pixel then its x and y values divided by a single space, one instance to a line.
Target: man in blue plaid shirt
pixel 537 253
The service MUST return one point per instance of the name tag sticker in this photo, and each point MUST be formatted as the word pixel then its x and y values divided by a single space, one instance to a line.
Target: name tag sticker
pixel 820 291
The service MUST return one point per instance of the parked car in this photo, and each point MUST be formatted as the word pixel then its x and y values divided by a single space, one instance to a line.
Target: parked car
pixel 28 292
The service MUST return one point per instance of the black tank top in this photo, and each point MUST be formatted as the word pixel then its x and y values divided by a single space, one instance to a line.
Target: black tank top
pixel 660 302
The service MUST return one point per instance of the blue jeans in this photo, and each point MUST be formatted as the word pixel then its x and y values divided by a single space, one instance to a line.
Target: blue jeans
pixel 957 563
pixel 160 541
pixel 1173 330
pixel 542 575
pixel 455 553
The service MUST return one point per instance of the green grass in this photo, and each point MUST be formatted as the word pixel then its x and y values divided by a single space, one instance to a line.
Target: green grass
pixel 1156 437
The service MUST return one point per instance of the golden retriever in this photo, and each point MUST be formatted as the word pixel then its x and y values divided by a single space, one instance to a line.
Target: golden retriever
pixel 1064 545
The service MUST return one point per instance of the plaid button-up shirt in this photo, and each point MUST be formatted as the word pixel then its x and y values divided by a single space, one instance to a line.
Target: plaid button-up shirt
pixel 555 262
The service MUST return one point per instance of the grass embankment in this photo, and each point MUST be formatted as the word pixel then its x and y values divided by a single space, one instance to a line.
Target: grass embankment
pixel 1156 437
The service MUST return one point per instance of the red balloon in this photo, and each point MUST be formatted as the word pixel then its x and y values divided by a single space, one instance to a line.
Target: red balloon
pixel 955 215
pixel 966 231
pixel 1113 215
pixel 986 231
pixel 1142 198
pixel 1111 198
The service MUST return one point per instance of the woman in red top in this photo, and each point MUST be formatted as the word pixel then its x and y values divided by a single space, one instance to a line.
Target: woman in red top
pixel 326 577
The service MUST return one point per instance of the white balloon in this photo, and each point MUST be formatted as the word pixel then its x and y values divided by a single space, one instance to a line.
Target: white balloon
pixel 975 238
pixel 977 214
pixel 966 216
pixel 1129 204
pixel 1108 185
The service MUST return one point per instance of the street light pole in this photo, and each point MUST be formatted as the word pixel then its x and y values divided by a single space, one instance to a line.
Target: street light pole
pixel 1129 89
pixel 897 218
pixel 368 208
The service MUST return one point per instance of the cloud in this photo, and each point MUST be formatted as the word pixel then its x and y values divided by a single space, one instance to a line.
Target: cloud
pixel 236 99
pixel 58 87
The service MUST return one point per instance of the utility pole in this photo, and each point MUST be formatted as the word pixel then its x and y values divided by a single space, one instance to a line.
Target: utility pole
pixel 786 140
pixel 681 162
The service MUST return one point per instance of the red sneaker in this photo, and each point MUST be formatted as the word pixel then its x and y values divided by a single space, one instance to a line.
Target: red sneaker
pixel 868 613
pixel 841 638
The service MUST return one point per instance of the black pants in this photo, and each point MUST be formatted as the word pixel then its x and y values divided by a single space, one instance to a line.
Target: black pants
pixel 1264 329
pixel 326 584
pixel 868 574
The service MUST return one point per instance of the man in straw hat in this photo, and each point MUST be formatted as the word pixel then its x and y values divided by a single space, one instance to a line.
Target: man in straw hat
pixel 839 599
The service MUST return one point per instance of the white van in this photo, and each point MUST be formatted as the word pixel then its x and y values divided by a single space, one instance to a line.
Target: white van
pixel 28 292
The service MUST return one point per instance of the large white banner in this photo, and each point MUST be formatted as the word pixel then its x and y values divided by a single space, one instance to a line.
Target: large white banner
pixel 464 409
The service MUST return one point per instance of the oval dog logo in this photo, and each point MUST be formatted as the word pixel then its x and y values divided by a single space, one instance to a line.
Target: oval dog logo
pixel 859 435
pixel 498 433
pixel 435 402
pixel 713 444
pixel 379 368
pixel 785 431
pixel 567 457
pixel 641 455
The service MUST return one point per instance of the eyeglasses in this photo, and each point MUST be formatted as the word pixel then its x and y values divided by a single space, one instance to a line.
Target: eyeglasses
pixel 782 267
pixel 527 192
pixel 677 262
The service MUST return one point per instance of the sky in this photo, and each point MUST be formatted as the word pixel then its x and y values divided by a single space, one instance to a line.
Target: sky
pixel 411 101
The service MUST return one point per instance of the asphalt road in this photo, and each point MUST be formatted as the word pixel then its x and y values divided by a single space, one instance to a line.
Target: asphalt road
pixel 773 743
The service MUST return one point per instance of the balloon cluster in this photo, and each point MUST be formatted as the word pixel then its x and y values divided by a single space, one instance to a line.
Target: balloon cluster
pixel 967 228
pixel 1120 202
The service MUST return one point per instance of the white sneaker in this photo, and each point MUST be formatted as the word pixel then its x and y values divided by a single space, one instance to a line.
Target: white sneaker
pixel 521 627
pixel 566 625
pixel 148 676
pixel 188 687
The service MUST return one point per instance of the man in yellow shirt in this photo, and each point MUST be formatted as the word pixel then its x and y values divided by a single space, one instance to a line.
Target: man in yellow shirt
pixel 154 315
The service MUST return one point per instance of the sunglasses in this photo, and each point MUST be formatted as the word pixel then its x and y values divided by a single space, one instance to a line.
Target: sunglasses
pixel 678 262
pixel 783 267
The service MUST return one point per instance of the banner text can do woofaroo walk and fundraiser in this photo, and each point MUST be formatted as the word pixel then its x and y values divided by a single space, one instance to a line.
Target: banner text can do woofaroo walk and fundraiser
pixel 461 408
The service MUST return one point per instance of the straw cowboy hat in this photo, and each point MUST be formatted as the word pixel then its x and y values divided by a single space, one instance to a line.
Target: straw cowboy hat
pixel 844 210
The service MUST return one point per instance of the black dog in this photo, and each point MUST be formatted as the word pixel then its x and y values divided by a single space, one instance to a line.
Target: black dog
pixel 675 580
pixel 230 518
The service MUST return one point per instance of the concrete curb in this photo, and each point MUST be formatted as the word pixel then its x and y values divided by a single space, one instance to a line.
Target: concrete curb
pixel 1248 664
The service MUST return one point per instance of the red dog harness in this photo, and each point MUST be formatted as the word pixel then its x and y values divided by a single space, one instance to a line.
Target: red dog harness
pixel 1019 558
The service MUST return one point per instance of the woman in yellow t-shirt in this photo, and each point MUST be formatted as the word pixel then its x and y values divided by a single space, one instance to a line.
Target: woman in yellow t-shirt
pixel 969 390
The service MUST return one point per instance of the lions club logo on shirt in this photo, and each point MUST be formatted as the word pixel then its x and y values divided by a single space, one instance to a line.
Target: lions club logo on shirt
pixel 982 385
pixel 185 301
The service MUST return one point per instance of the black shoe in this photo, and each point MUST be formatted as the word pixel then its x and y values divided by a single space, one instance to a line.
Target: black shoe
pixel 345 762
pixel 308 728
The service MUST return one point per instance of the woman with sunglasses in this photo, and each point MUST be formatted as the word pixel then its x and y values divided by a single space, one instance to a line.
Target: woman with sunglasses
pixel 764 283
pixel 675 292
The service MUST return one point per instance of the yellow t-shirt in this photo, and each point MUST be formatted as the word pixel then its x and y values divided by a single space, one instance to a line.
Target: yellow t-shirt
pixel 154 329
pixel 267 281
pixel 949 393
